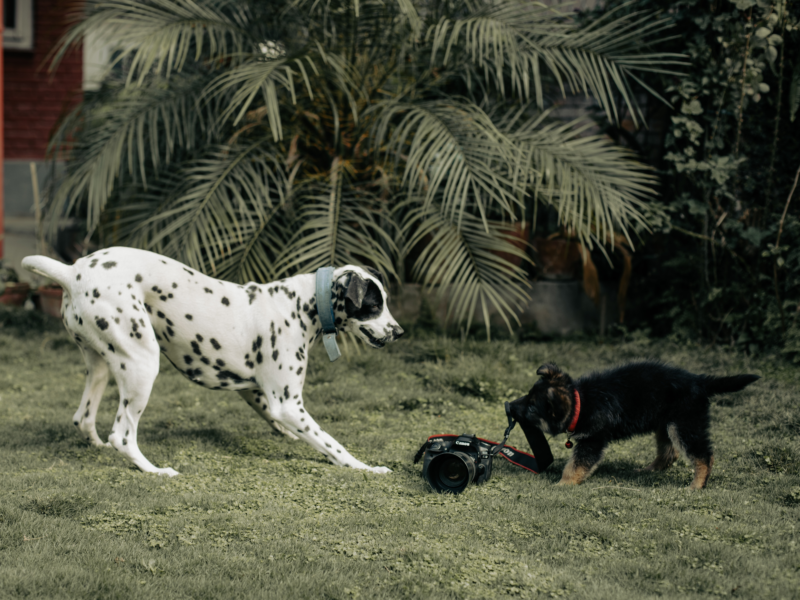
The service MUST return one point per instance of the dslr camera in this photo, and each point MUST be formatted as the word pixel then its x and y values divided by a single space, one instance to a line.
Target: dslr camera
pixel 453 462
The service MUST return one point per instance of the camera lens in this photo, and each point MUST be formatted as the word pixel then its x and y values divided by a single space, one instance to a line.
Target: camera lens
pixel 451 472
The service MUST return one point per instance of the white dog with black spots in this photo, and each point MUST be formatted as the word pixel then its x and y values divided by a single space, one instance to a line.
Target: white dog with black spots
pixel 123 306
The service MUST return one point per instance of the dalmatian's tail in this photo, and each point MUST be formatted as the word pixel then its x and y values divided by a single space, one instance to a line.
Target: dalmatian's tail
pixel 52 269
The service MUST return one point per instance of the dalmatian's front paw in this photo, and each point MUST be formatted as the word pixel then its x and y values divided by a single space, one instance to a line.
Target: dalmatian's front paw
pixel 380 470
pixel 167 471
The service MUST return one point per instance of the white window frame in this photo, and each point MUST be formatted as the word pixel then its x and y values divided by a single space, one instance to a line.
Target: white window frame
pixel 21 36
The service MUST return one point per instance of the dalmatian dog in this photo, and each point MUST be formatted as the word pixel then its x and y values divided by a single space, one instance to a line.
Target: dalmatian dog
pixel 123 306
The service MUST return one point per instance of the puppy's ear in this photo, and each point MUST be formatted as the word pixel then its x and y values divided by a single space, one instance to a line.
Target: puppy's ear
pixel 548 371
pixel 356 290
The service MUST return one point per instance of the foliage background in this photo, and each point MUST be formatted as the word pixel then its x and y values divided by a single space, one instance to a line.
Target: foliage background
pixel 255 139
pixel 715 270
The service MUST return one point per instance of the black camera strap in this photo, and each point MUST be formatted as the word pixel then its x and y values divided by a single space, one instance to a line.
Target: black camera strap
pixel 536 440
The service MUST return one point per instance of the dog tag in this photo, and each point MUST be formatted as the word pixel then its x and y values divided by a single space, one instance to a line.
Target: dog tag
pixel 568 443
pixel 329 340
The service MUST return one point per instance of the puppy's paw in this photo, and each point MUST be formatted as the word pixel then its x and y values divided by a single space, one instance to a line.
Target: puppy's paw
pixel 570 482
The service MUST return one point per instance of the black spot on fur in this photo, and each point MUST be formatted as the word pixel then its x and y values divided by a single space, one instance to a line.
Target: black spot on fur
pixel 188 271
pixel 299 370
pixel 259 358
pixel 101 323
pixel 138 278
pixel 95 293
pixel 208 291
pixel 174 285
pixel 78 278
pixel 111 347
pixel 215 343
pixel 204 360
pixel 160 315
pixel 147 307
pixel 199 337
pixel 109 264
pixel 225 301
pixel 286 392
pixel 93 263
pixel 275 355
pixel 187 359
pixel 189 317
pixel 196 348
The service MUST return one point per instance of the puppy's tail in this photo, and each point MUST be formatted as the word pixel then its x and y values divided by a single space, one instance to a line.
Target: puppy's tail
pixel 725 385
pixel 52 269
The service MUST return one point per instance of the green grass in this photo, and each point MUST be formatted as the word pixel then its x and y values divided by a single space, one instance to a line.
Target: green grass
pixel 254 515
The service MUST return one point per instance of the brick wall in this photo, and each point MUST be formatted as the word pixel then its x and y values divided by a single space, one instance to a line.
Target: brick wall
pixel 35 98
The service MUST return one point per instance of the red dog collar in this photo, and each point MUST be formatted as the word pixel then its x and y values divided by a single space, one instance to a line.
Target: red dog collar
pixel 574 422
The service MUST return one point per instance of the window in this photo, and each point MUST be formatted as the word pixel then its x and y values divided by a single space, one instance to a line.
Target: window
pixel 18 24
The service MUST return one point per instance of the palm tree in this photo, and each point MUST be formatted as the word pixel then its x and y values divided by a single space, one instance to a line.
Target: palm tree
pixel 256 138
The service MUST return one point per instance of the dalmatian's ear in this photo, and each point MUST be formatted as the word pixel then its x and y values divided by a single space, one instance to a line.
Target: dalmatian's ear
pixel 356 290
pixel 377 275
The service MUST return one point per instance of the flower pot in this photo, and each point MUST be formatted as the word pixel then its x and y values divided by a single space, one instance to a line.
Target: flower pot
pixel 50 300
pixel 559 258
pixel 15 294
pixel 517 235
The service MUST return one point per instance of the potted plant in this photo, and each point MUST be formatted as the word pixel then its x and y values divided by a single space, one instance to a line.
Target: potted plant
pixel 49 299
pixel 13 292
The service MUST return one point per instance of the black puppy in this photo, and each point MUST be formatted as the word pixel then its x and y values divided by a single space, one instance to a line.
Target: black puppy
pixel 640 397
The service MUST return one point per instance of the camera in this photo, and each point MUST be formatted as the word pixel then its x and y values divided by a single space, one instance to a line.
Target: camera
pixel 453 462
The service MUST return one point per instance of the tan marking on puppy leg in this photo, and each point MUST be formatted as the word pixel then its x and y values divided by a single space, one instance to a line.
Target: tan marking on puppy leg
pixel 575 474
pixel 672 433
pixel 666 454
pixel 702 471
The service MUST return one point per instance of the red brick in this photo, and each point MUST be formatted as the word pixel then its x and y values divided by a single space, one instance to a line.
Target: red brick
pixel 35 99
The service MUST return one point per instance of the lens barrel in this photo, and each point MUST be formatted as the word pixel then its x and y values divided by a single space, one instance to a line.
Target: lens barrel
pixel 451 472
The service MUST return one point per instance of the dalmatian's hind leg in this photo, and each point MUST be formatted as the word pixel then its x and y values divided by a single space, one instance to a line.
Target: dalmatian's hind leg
pixel 258 401
pixel 96 380
pixel 135 373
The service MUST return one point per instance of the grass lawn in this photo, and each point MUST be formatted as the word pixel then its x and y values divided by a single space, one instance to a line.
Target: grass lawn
pixel 254 515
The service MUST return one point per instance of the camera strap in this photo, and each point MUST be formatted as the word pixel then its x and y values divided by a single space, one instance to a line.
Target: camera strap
pixel 537 462
pixel 516 457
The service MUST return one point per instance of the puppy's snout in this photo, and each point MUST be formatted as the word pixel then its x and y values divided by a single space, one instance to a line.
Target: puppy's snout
pixel 397 331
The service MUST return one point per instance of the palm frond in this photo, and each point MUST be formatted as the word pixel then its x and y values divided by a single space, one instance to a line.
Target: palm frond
pixel 517 39
pixel 215 204
pixel 598 188
pixel 337 225
pixel 137 130
pixel 160 35
pixel 465 260
pixel 451 148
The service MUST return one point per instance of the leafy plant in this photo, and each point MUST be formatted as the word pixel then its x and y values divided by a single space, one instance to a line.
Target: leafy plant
pixel 725 265
pixel 256 139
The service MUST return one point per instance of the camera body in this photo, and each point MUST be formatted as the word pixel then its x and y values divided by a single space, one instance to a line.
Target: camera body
pixel 452 462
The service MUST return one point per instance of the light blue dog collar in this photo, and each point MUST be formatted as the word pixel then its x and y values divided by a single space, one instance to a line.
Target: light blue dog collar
pixel 325 312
